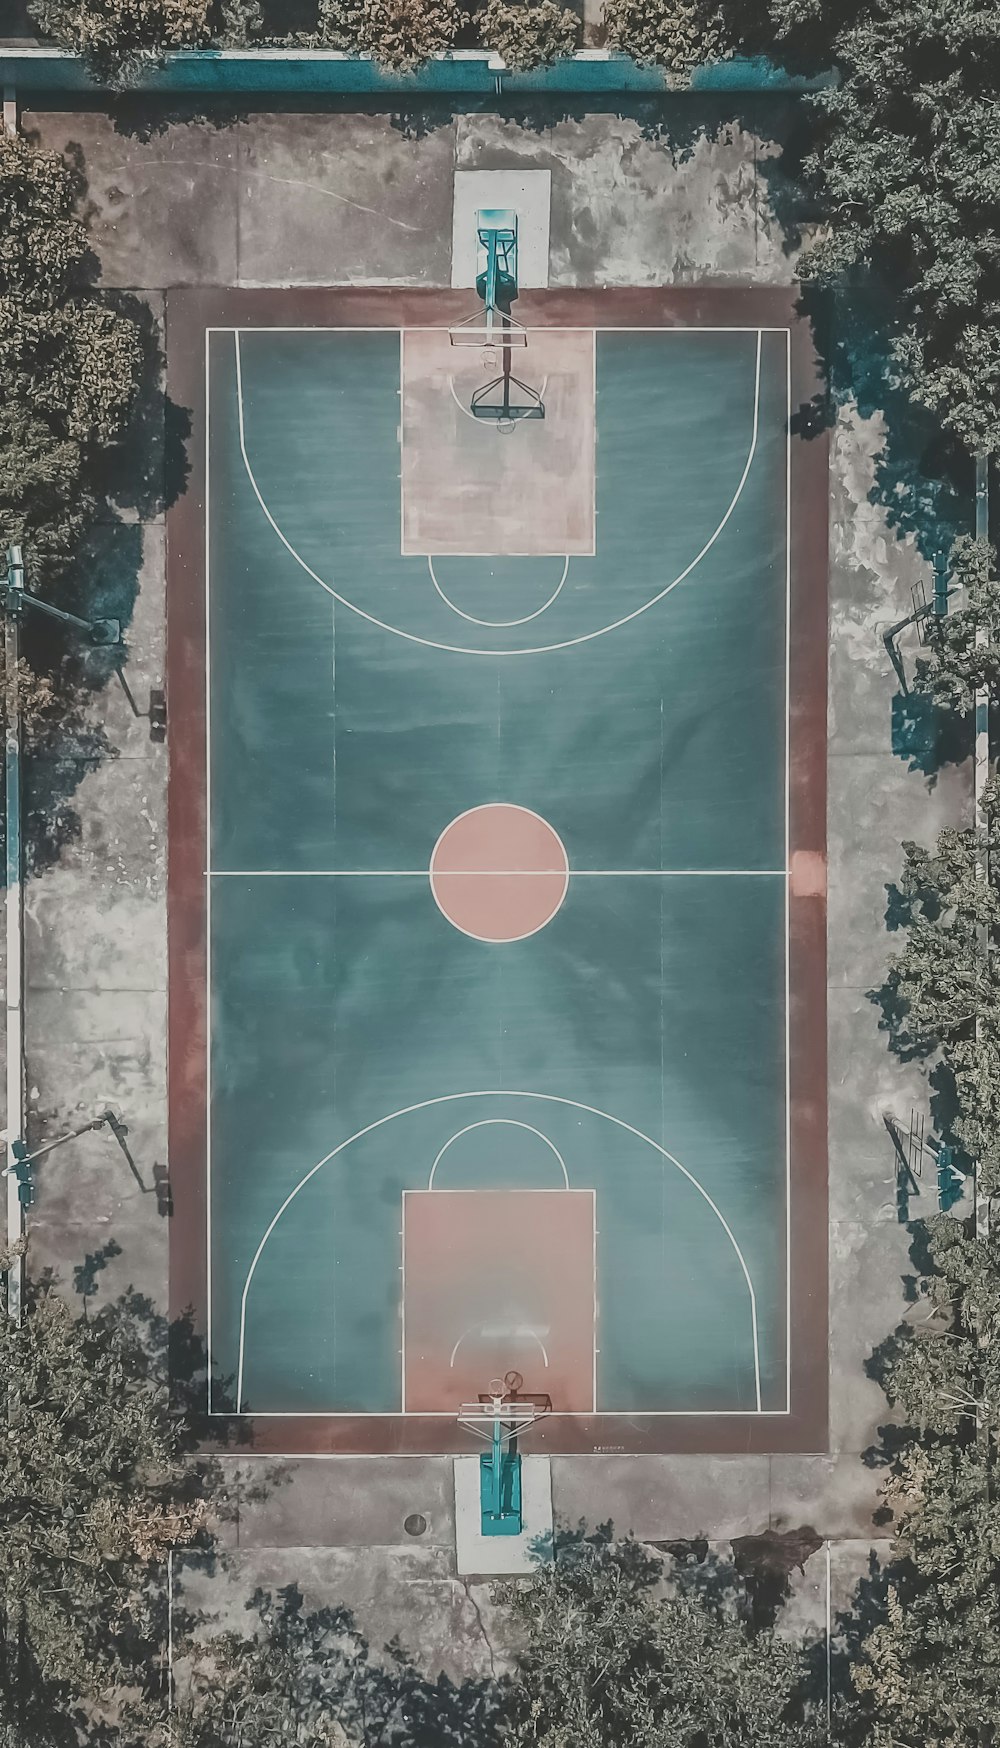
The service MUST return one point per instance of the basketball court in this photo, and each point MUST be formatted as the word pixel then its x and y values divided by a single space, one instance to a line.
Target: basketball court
pixel 497 867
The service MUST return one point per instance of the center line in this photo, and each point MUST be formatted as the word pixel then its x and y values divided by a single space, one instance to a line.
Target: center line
pixel 494 873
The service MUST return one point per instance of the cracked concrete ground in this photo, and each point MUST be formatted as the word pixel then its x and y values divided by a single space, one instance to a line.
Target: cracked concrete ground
pixel 668 193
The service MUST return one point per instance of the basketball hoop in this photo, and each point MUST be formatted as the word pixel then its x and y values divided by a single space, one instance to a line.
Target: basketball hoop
pixel 502 1413
pixel 504 1409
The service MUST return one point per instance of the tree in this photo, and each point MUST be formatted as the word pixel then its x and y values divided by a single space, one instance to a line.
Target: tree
pixel 929 1668
pixel 676 34
pixel 942 992
pixel 611 1656
pixel 528 35
pixel 907 166
pixel 94 1489
pixel 340 25
pixel 401 34
pixel 70 364
pixel 306 1678
pixel 964 644
pixel 120 38
pixel 941 1370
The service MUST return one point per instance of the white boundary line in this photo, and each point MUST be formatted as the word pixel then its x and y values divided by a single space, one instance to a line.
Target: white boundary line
pixel 596 1342
pixel 538 328
pixel 208 858
pixel 499 1123
pixel 491 873
pixel 788 865
pixel 498 624
pixel 759 331
pixel 402 1312
pixel 500 654
pixel 484 1093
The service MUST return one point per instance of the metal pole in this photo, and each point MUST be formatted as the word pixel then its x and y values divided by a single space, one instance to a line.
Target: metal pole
pixel 981 764
pixel 829 1647
pixel 15 1113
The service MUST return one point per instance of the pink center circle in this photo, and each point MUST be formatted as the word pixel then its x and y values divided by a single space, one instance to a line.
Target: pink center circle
pixel 499 873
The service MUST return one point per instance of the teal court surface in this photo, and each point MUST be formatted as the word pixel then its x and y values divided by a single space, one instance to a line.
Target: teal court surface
pixel 497 869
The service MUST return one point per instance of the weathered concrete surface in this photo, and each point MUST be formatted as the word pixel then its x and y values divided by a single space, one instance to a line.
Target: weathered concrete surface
pixel 272 196
pixel 95 975
pixel 874 802
pixel 665 1498
pixel 645 198
pixel 347 1502
pixel 444 1624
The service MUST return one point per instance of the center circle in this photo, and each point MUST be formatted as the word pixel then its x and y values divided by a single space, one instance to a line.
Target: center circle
pixel 499 872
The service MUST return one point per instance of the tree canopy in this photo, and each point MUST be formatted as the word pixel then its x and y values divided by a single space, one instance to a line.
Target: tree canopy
pixel 675 34
pixel 929 1668
pixel 942 990
pixel 93 1490
pixel 528 35
pixel 70 364
pixel 963 645
pixel 907 167
pixel 612 1655
pixel 119 37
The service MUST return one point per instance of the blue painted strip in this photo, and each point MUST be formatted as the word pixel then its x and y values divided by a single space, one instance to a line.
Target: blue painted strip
pixel 229 72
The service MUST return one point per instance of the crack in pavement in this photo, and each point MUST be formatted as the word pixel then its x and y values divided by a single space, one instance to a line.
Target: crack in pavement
pixel 477 1611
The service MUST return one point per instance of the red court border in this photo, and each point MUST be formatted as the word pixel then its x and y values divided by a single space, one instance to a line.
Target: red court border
pixel 188 314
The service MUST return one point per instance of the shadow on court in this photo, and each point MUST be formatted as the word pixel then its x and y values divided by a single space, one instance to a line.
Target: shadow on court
pixel 320 1663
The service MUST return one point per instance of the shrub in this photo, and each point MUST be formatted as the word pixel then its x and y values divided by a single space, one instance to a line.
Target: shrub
pixel 676 34
pixel 606 1657
pixel 118 37
pixel 526 35
pixel 400 34
pixel 905 165
pixel 964 645
pixel 340 25
pixel 70 364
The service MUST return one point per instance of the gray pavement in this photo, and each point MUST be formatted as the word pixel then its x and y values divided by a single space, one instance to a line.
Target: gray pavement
pixel 341 198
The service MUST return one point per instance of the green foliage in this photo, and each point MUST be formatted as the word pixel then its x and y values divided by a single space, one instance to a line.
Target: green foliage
pixel 942 980
pixel 908 169
pixel 929 1671
pixel 942 992
pixel 299 1678
pixel 676 34
pixel 119 38
pixel 612 1656
pixel 93 1490
pixel 528 35
pixel 942 1369
pixel 242 23
pixel 400 34
pixel 929 1668
pixel 70 364
pixel 340 25
pixel 964 644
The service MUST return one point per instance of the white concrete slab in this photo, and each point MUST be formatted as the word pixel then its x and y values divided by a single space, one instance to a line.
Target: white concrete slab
pixel 529 193
pixel 498 1556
